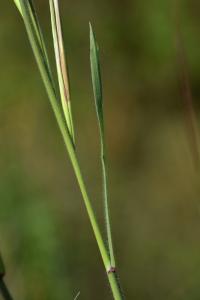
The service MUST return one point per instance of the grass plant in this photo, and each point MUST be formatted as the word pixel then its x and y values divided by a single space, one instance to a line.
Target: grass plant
pixel 61 106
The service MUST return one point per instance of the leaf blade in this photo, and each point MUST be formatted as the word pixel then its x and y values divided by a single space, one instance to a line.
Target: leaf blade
pixel 98 96
pixel 96 77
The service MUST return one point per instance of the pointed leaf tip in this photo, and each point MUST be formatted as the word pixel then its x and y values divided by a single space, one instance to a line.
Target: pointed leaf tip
pixel 96 76
pixel 17 3
pixel 92 37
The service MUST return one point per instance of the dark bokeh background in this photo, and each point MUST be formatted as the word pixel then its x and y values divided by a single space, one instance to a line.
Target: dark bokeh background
pixel 45 236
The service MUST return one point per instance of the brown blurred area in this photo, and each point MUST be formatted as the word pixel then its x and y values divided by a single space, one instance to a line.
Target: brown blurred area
pixel 45 236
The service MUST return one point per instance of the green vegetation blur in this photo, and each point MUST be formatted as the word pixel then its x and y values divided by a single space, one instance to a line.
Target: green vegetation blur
pixel 45 236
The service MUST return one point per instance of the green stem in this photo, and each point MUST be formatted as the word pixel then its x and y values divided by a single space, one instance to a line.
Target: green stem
pixel 106 206
pixel 48 82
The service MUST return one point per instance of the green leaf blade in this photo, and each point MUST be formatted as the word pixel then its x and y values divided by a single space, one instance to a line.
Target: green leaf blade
pixel 96 78
pixel 35 22
pixel 98 96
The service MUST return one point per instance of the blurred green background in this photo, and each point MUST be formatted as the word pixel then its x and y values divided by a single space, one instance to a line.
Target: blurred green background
pixel 45 236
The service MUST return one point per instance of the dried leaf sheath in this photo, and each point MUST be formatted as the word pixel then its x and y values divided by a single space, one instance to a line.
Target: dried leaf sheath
pixel 63 79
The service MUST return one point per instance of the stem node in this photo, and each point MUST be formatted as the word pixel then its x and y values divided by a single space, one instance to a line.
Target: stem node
pixel 111 270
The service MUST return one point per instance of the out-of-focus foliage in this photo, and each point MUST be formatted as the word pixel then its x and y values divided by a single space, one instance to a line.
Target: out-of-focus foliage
pixel 45 236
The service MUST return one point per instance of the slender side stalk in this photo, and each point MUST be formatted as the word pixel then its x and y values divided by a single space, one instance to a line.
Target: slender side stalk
pixel 48 82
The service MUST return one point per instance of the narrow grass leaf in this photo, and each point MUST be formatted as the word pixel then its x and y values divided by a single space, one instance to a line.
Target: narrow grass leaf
pixel 98 96
pixel 38 31
pixel 63 78
pixel 96 79
pixel 36 25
